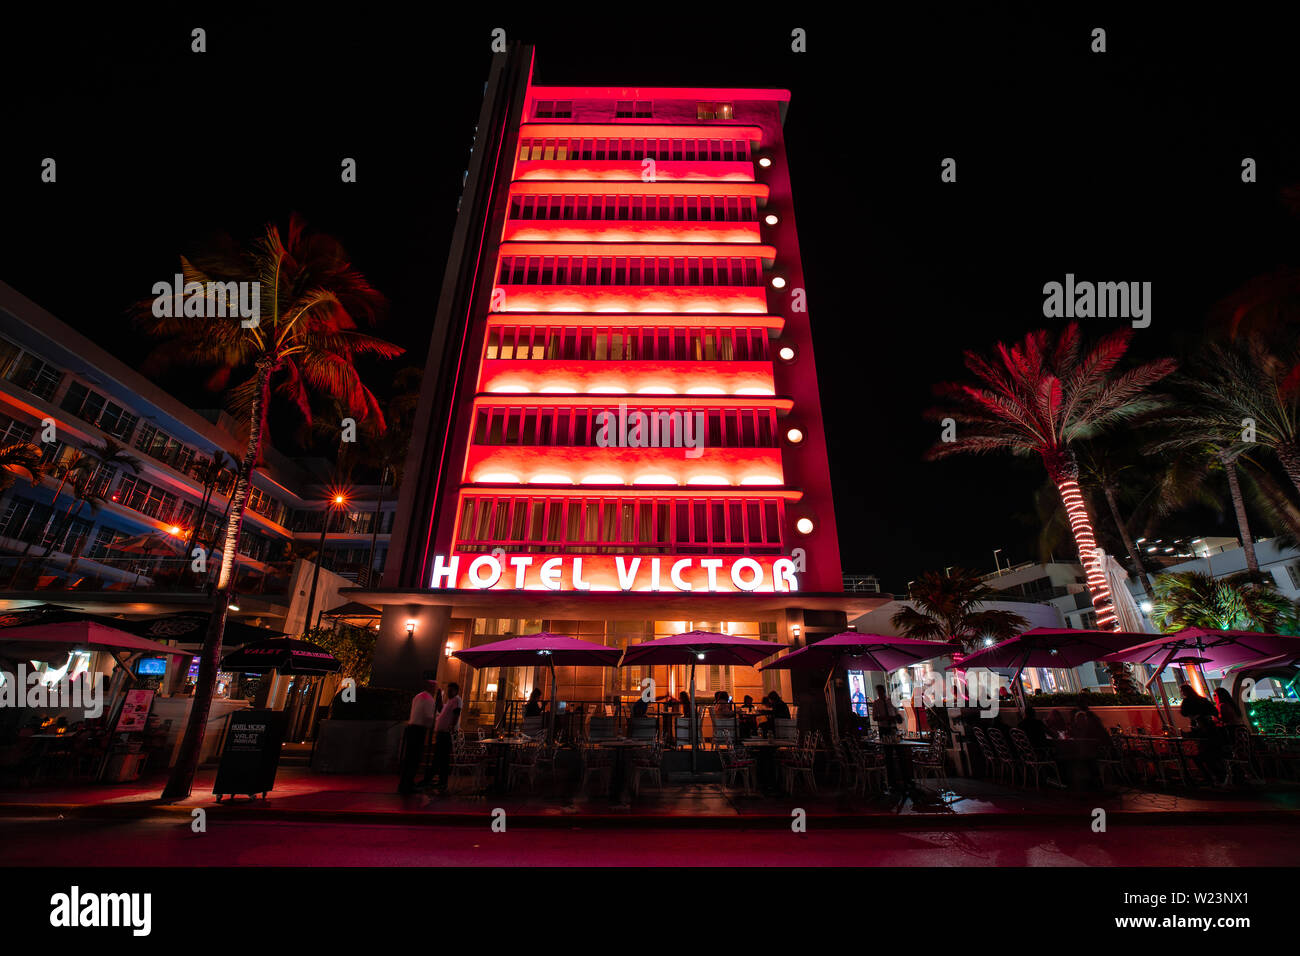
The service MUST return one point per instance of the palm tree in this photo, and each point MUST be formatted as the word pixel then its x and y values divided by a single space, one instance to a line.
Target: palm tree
pixel 90 458
pixel 1040 397
pixel 1243 393
pixel 20 459
pixel 209 472
pixel 306 340
pixel 1194 599
pixel 949 607
pixel 1103 469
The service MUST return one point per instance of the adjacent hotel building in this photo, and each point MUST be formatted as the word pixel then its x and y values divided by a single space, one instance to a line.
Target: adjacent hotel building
pixel 620 434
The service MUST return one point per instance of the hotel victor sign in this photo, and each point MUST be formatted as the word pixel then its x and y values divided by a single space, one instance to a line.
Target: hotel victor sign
pixel 533 572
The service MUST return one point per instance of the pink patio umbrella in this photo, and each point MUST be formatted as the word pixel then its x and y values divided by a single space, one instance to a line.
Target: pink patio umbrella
pixel 693 647
pixel 877 652
pixel 532 649
pixel 1050 647
pixel 60 637
pixel 1196 646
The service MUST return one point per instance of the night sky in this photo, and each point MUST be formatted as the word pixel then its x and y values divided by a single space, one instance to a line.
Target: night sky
pixel 1123 166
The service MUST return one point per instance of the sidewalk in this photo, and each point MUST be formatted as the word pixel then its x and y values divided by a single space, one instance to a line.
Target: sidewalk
pixel 304 795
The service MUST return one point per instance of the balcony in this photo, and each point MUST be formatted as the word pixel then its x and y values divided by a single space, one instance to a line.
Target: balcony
pixel 756 468
pixel 614 378
pixel 630 230
pixel 720 299
pixel 632 170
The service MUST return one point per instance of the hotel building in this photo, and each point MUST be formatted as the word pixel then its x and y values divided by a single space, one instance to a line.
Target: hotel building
pixel 620 434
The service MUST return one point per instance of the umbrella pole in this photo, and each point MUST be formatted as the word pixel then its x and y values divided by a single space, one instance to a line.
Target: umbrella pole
pixel 1020 702
pixel 830 696
pixel 695 722
pixel 551 710
pixel 1166 715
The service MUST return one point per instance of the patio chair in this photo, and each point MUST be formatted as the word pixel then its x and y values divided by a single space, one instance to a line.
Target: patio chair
pixel 1003 755
pixel 648 762
pixel 737 766
pixel 870 772
pixel 784 729
pixel 601 728
pixel 986 750
pixel 1276 751
pixel 1031 760
pixel 682 732
pixel 597 764
pixel 469 759
pixel 933 762
pixel 798 765
pixel 1239 753
pixel 725 726
pixel 523 763
pixel 643 728
pixel 1110 758
pixel 533 726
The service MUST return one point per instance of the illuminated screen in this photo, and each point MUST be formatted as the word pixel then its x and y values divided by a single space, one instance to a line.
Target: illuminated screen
pixel 858 699
pixel 152 667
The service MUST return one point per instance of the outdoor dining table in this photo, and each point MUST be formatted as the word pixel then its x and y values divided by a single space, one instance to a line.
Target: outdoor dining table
pixel 502 746
pixel 765 749
pixel 1077 758
pixel 618 779
pixel 1176 743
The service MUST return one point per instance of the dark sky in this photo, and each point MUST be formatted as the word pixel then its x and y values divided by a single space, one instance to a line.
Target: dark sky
pixel 1123 166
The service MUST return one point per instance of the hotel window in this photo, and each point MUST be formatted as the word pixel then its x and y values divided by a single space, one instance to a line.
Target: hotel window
pixel 713 111
pixel 13 433
pixel 94 408
pixel 633 109
pixel 37 377
pixel 554 109
pixel 146 498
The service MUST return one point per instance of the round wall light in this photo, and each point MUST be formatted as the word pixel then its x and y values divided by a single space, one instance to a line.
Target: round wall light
pixel 786 353
pixel 771 220
pixel 765 162
pixel 794 436
pixel 778 282
pixel 804 525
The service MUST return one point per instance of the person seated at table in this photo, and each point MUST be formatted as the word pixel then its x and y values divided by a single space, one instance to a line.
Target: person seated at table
pixel 1056 724
pixel 534 707
pixel 639 707
pixel 1204 718
pixel 1229 715
pixel 1039 734
pixel 722 705
pixel 687 705
pixel 1087 725
pixel 748 720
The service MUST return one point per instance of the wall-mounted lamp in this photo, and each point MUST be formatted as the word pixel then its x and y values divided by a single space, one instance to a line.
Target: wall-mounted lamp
pixel 410 628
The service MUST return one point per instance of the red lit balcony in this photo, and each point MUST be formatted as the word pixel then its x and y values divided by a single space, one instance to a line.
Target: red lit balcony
pixel 756 469
pixel 622 170
pixel 719 299
pixel 573 376
pixel 621 230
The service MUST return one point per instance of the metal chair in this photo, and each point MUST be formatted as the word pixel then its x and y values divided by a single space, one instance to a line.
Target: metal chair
pixel 601 728
pixel 991 765
pixel 933 762
pixel 596 763
pixel 1003 755
pixel 1030 759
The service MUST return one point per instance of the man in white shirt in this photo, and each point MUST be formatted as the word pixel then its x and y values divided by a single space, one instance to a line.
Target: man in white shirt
pixel 424 711
pixel 447 721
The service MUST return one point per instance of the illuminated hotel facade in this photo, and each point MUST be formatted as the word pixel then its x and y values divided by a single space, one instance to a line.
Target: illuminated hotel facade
pixel 620 435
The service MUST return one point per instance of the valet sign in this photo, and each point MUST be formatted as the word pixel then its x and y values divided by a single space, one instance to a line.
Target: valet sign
pixel 539 572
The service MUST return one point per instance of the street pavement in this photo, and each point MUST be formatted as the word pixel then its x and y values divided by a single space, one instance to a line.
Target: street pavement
pixel 159 842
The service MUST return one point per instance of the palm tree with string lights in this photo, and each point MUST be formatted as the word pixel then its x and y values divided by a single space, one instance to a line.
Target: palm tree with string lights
pixel 306 339
pixel 1039 398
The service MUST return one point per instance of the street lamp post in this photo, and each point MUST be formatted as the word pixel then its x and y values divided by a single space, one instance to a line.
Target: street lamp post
pixel 338 502
pixel 997 563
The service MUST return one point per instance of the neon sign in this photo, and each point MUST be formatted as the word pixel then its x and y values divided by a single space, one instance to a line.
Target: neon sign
pixel 543 572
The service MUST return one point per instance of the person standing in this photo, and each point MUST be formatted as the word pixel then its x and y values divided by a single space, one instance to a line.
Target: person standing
pixel 424 710
pixel 448 721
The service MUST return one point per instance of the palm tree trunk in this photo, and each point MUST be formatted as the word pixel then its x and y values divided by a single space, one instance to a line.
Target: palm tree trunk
pixel 187 761
pixel 1065 476
pixel 208 484
pixel 1289 455
pixel 1239 507
pixel 1134 557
